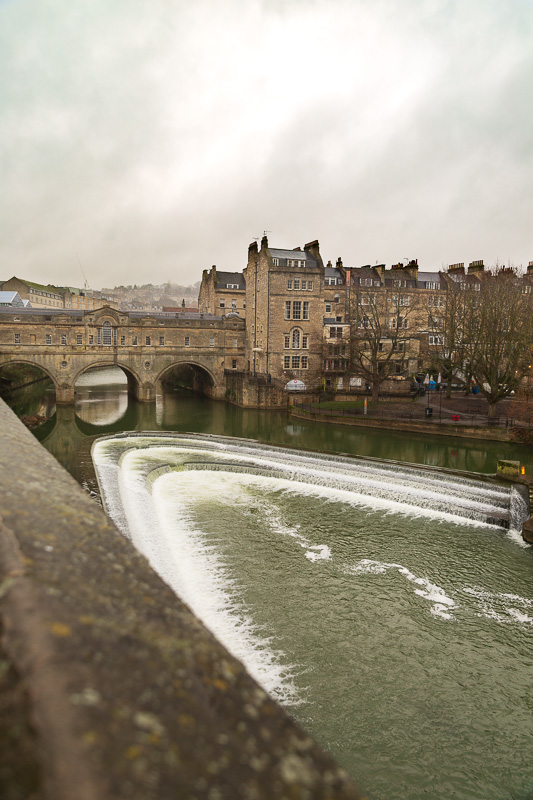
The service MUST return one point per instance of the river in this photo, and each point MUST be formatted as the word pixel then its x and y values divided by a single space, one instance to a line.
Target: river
pixel 398 635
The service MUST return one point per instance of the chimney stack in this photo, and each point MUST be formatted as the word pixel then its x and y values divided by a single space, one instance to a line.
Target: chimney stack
pixel 476 267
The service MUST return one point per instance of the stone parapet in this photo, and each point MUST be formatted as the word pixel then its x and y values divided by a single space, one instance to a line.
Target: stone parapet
pixel 127 694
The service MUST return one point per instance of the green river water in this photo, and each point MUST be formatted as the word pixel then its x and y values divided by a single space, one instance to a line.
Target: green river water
pixel 401 639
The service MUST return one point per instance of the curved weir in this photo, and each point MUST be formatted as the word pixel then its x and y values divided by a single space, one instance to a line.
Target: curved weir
pixel 386 604
pixel 401 488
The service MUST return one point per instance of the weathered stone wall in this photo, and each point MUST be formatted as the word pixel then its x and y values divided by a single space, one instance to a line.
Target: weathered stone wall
pixel 116 691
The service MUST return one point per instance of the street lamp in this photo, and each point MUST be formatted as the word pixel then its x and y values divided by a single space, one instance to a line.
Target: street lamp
pixel 426 384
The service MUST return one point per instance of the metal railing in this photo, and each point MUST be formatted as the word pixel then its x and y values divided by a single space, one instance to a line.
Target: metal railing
pixel 418 415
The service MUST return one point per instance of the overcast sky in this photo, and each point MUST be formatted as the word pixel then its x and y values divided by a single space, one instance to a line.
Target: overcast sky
pixel 150 139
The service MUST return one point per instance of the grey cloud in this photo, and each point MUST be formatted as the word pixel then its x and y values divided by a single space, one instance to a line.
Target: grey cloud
pixel 158 142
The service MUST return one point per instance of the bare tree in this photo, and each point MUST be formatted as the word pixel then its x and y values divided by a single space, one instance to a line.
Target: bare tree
pixel 381 336
pixel 498 334
pixel 446 323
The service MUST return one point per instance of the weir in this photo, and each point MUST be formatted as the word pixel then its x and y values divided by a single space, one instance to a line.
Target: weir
pixel 386 605
pixel 400 487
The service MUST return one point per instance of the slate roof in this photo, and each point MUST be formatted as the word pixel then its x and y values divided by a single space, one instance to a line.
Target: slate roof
pixel 69 312
pixel 300 255
pixel 223 278
pixel 432 277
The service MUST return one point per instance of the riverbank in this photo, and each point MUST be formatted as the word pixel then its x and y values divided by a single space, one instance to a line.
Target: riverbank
pixel 433 427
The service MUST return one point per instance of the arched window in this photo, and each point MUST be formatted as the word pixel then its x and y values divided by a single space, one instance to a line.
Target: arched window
pixel 296 339
pixel 107 335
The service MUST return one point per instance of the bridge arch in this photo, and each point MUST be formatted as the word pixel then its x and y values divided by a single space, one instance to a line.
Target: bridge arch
pixel 31 362
pixel 134 380
pixel 189 373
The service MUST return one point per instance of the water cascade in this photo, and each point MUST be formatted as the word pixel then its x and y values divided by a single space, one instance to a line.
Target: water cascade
pixel 352 589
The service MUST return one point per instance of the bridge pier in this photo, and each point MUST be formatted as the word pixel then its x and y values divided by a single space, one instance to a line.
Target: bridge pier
pixel 65 394
pixel 142 392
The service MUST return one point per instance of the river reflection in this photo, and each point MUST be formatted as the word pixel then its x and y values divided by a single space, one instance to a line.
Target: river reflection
pixel 103 406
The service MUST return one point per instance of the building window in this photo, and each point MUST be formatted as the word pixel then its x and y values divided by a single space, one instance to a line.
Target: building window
pixel 286 362
pixel 289 285
pixel 63 338
pixel 287 341
pixel 309 285
pixel 287 309
pixel 296 309
pixel 328 308
pixel 123 340
pixel 401 300
pixel 304 284
pixel 296 339
pixel 187 341
pixel 211 341
pixel 306 310
pixel 305 362
pixel 161 340
pixel 48 338
pixel 222 304
pixel 148 340
pixel 335 333
pixel 79 339
pixel 234 304
pixel 106 334
pixel 134 341
pixel 398 347
pixel 232 286
pixel 234 363
pixel 275 262
pixel 305 339
pixel 296 283
pixel 295 362
pixel 435 339
pixel 17 338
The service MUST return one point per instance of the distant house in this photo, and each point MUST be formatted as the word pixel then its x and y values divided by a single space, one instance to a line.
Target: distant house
pixel 13 299
pixel 37 294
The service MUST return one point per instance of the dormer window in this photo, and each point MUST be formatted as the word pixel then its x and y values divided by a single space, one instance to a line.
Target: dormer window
pixel 232 286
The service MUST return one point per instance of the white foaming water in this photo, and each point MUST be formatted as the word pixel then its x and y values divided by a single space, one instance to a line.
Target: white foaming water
pixel 442 605
pixel 151 484
pixel 500 606
pixel 317 552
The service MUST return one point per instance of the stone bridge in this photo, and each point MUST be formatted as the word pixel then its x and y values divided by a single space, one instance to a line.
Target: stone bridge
pixel 146 346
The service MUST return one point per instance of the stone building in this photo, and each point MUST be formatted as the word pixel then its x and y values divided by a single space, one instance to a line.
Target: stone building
pixel 222 293
pixel 39 296
pixel 284 323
